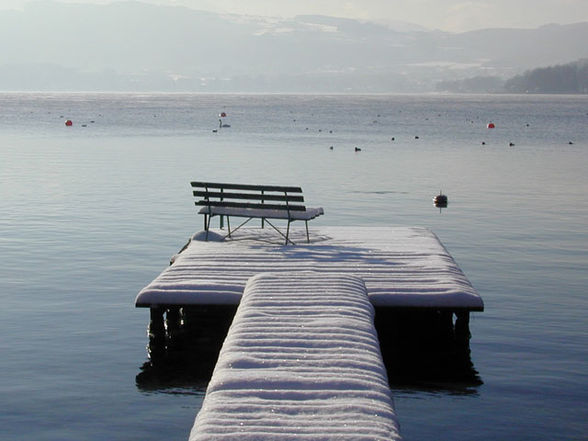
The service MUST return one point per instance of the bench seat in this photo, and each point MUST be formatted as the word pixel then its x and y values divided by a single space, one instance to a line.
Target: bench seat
pixel 308 214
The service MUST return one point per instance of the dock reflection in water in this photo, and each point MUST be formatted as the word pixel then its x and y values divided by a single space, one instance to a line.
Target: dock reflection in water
pixel 422 350
pixel 186 353
pixel 427 349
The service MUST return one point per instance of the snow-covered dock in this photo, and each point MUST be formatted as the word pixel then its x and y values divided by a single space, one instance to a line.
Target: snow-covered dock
pixel 302 358
pixel 402 267
pixel 301 361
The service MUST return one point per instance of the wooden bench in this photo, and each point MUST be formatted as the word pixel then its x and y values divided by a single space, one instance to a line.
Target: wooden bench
pixel 252 202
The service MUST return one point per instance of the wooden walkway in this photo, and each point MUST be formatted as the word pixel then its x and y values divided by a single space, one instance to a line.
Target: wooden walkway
pixel 403 267
pixel 301 361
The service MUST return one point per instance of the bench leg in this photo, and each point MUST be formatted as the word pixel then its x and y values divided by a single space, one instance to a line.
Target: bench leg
pixel 307 237
pixel 229 225
pixel 285 236
pixel 207 226
pixel 233 231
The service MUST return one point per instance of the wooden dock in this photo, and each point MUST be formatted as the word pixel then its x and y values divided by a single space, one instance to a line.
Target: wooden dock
pixel 301 361
pixel 403 267
pixel 422 301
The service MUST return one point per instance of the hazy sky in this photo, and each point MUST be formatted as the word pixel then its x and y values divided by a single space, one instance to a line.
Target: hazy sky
pixel 448 15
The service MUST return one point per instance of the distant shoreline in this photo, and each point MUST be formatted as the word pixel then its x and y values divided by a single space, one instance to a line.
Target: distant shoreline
pixel 278 93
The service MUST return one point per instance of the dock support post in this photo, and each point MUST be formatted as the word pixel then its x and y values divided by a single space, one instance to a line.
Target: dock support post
pixel 462 328
pixel 156 333
pixel 173 321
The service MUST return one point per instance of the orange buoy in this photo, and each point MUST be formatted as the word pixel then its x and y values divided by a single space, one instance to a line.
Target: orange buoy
pixel 68 122
pixel 490 125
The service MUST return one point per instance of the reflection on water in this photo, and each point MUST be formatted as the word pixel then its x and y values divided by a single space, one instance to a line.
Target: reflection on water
pixel 422 350
pixel 190 369
pixel 427 350
pixel 185 353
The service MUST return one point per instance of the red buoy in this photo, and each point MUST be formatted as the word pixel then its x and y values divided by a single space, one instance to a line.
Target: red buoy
pixel 490 125
pixel 68 122
pixel 223 114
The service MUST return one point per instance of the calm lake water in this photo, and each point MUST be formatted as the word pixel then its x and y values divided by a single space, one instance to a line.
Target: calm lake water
pixel 91 213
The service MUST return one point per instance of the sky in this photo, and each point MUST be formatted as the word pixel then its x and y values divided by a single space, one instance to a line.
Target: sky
pixel 446 15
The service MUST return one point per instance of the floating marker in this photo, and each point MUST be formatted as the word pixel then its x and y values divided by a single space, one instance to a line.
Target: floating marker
pixel 440 200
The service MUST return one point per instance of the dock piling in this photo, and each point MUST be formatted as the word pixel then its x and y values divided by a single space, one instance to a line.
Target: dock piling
pixel 156 332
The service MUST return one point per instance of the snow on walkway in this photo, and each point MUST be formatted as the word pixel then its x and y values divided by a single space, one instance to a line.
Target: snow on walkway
pixel 301 361
pixel 401 266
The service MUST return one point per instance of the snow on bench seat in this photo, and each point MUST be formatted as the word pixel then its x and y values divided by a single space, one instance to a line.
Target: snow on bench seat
pixel 301 361
pixel 308 214
pixel 403 267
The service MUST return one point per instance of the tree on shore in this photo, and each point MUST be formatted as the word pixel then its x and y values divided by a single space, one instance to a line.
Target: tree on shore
pixel 565 78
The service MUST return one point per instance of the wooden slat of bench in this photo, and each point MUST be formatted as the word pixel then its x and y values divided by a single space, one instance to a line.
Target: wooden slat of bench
pixel 251 205
pixel 248 196
pixel 247 187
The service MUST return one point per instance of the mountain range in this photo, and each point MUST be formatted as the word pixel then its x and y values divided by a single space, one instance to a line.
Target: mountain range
pixel 138 46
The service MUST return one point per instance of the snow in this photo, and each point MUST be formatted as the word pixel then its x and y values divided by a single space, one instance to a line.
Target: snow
pixel 210 237
pixel 300 361
pixel 308 214
pixel 401 266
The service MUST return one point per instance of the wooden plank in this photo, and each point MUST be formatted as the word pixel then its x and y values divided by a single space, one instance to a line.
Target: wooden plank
pixel 248 196
pixel 246 187
pixel 229 204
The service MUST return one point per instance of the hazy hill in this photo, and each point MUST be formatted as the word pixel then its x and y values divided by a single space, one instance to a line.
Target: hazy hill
pixel 566 78
pixel 570 78
pixel 137 46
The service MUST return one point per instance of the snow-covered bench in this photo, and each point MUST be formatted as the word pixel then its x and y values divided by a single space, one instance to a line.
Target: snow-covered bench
pixel 252 202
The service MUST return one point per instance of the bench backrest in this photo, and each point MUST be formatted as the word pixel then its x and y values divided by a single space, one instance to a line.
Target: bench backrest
pixel 270 197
